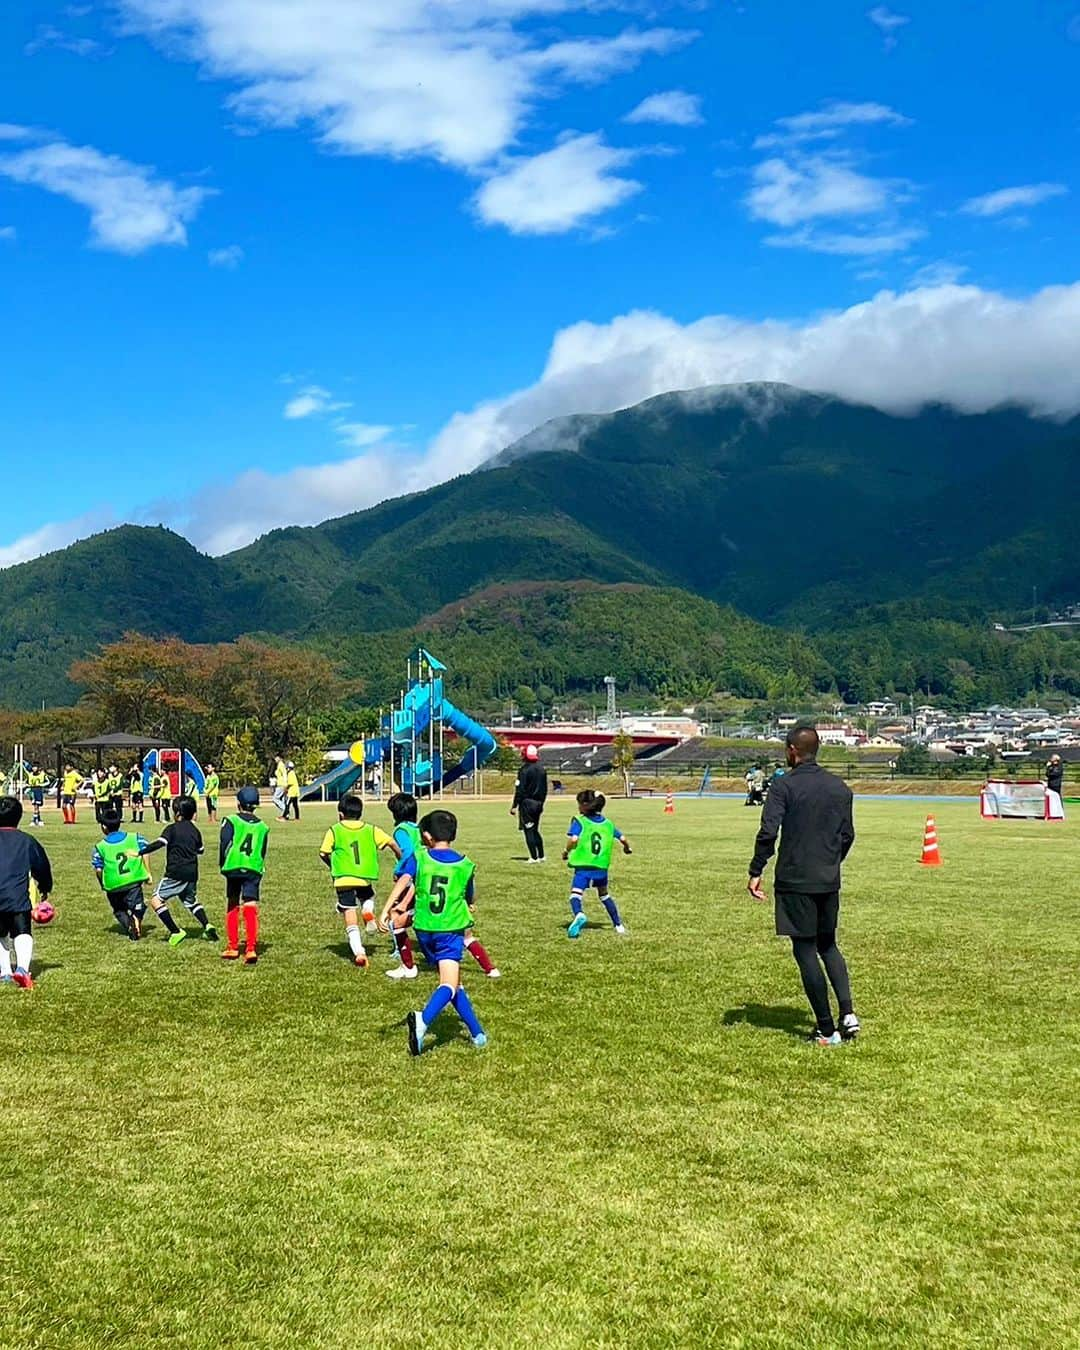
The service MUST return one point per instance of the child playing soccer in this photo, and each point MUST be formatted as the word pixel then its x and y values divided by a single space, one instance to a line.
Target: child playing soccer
pixel 590 842
pixel 443 880
pixel 159 793
pixel 212 788
pixel 351 851
pixel 242 858
pixel 184 844
pixel 36 781
pixel 22 860
pixel 396 921
pixel 69 792
pixel 121 873
pixel 135 794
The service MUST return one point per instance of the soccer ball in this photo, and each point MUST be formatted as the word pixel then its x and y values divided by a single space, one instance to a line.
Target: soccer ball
pixel 43 912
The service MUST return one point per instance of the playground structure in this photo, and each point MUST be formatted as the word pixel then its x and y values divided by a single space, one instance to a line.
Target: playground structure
pixel 168 761
pixel 411 745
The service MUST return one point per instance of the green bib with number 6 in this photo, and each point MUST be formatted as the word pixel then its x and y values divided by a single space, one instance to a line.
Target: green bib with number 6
pixel 441 888
pixel 594 846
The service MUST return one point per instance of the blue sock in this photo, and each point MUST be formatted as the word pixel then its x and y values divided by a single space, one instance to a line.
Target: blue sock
pixel 436 1003
pixel 575 902
pixel 465 1012
pixel 613 913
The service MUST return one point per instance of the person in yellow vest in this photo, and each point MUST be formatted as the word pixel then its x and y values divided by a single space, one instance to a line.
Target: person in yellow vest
pixel 102 785
pixel 116 790
pixel 37 780
pixel 159 793
pixel 135 793
pixel 281 772
pixel 69 792
pixel 351 851
pixel 212 788
pixel 292 791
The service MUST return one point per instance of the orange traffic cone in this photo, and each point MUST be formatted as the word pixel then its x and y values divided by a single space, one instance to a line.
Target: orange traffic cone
pixel 931 854
pixel 669 805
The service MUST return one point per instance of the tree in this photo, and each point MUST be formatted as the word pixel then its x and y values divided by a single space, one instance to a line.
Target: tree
pixel 525 698
pixel 240 762
pixel 282 687
pixel 622 757
pixel 311 754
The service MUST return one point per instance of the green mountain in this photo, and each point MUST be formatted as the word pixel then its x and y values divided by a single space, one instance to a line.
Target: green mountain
pixel 797 509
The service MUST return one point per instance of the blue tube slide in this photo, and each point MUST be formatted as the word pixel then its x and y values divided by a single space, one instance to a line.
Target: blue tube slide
pixel 480 739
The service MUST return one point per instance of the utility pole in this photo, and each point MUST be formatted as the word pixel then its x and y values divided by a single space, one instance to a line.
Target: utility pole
pixel 609 681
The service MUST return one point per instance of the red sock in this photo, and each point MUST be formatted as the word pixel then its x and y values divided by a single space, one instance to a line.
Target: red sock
pixel 232 927
pixel 251 926
pixel 482 959
pixel 404 947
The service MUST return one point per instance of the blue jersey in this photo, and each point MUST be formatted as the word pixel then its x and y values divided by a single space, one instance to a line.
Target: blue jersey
pixel 406 841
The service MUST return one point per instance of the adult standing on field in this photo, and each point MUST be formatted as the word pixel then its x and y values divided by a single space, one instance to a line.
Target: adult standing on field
pixel 530 794
pixel 280 774
pixel 810 809
pixel 1055 775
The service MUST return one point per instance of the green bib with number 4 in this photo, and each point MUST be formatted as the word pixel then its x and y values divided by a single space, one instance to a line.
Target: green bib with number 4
pixel 246 850
pixel 441 888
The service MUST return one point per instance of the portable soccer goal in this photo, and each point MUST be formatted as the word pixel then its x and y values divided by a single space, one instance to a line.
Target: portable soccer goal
pixel 1026 799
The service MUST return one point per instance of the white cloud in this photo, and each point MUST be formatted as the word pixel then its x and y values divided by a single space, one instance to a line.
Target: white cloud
pixel 58 534
pixel 829 121
pixel 552 192
pixel 229 257
pixel 674 108
pixel 359 435
pixel 960 345
pixel 866 244
pixel 939 273
pixel 10 132
pixel 312 400
pixel 788 192
pixel 453 81
pixel 889 23
pixel 48 35
pixel 131 209
pixel 1004 200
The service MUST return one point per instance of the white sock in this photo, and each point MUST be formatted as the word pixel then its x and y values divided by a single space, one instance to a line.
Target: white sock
pixel 356 942
pixel 24 950
pixel 5 959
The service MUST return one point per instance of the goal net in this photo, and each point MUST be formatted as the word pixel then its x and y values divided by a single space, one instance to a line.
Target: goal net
pixel 1019 800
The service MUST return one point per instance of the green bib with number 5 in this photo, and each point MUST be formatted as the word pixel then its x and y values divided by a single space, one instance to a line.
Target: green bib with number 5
pixel 441 888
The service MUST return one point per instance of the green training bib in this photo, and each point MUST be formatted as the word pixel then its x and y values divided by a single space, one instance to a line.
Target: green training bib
pixel 120 871
pixel 354 853
pixel 246 850
pixel 594 846
pixel 440 894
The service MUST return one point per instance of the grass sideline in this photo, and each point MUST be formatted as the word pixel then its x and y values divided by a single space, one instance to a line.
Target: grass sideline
pixel 197 1154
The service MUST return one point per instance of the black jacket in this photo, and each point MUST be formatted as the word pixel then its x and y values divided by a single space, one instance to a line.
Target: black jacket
pixel 811 811
pixel 1055 774
pixel 21 857
pixel 531 785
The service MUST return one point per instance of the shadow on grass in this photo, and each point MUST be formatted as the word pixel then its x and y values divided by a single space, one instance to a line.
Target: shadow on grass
pixel 448 1028
pixel 792 1021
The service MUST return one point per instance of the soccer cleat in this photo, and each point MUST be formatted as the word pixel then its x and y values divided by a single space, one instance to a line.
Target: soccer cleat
pixel 480 1040
pixel 210 934
pixel 230 953
pixel 622 930
pixel 402 973
pixel 370 926
pixel 849 1027
pixel 360 959
pixel 494 974
pixel 577 923
pixel 827 1042
pixel 251 956
pixel 22 978
pixel 175 939
pixel 416 1028
pixel 135 931
pixel 7 979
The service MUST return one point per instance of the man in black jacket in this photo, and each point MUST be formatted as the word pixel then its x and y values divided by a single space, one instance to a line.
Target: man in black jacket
pixel 811 811
pixel 530 794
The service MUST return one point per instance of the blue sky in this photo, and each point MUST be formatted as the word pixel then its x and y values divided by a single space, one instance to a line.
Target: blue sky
pixel 267 262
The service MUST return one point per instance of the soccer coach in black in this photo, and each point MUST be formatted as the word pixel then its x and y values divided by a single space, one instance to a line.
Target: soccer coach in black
pixel 810 809
pixel 530 794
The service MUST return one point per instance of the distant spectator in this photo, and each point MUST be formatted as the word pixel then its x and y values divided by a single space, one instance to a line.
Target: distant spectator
pixel 755 785
pixel 1055 774
pixel 530 794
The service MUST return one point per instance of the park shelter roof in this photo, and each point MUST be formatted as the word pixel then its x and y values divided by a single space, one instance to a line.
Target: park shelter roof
pixel 118 740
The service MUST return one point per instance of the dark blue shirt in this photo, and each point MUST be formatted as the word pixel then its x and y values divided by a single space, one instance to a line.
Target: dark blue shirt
pixel 21 858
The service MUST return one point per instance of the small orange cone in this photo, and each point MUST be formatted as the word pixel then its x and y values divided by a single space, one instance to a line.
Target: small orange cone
pixel 931 854
pixel 669 805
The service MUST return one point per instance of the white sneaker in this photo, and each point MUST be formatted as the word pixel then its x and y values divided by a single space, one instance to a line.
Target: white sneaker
pixel 371 926
pixel 495 974
pixel 622 930
pixel 401 973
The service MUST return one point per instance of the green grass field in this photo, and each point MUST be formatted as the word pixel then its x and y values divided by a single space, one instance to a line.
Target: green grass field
pixel 648 1154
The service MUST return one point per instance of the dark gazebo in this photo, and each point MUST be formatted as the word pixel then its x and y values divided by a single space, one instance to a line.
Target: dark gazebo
pixel 114 740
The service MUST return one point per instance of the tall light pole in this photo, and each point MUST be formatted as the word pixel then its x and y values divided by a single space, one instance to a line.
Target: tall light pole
pixel 609 681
